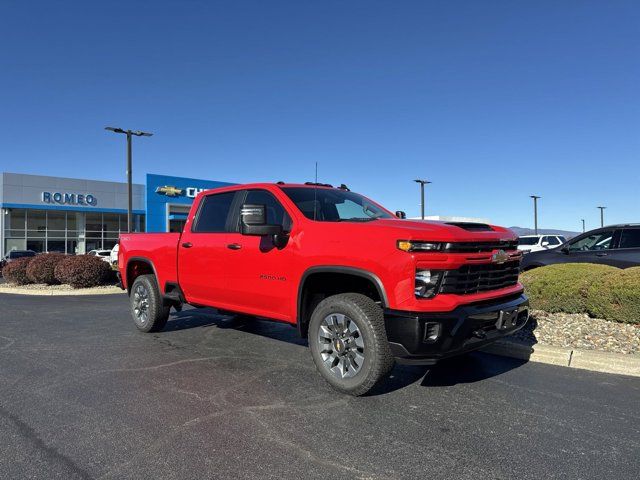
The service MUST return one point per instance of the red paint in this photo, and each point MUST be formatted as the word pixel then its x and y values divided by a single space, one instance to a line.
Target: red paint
pixel 265 282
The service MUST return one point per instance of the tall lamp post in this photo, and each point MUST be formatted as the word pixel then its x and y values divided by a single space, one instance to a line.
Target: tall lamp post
pixel 422 184
pixel 535 212
pixel 583 230
pixel 602 216
pixel 129 134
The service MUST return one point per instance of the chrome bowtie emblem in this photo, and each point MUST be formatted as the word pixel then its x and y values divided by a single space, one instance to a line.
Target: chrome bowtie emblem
pixel 500 256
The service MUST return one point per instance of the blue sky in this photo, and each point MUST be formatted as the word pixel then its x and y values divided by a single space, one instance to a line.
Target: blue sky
pixel 491 100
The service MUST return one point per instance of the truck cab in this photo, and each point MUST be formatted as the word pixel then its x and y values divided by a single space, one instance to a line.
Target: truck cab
pixel 366 287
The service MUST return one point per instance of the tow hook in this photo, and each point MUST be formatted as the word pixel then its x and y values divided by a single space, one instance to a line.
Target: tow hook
pixel 481 334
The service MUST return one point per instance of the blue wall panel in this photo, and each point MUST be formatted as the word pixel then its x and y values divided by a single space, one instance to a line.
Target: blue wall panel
pixel 163 190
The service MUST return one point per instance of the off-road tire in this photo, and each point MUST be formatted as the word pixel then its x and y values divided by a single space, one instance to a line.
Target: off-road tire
pixel 157 313
pixel 369 318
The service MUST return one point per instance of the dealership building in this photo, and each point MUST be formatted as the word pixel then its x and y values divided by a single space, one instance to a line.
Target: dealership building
pixel 70 215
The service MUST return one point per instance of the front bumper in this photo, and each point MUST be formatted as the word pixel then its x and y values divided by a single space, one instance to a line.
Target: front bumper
pixel 424 338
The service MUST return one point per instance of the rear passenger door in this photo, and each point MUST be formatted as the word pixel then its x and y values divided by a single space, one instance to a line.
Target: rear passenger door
pixel 202 250
pixel 628 252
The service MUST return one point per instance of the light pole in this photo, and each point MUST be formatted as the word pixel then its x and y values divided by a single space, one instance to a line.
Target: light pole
pixel 422 184
pixel 583 225
pixel 535 212
pixel 602 216
pixel 129 134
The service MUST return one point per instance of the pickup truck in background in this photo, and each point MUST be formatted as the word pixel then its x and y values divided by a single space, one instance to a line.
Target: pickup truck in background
pixel 366 286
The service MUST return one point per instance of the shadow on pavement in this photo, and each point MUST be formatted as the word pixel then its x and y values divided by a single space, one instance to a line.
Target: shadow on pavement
pixel 467 368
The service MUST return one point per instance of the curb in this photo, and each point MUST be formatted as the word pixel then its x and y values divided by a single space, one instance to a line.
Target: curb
pixel 618 363
pixel 59 293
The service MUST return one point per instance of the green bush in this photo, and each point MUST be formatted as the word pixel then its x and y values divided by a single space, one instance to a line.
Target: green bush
pixel 616 297
pixel 83 271
pixel 16 271
pixel 564 287
pixel 41 268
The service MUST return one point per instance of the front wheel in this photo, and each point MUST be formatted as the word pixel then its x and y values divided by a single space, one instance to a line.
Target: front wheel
pixel 148 311
pixel 348 343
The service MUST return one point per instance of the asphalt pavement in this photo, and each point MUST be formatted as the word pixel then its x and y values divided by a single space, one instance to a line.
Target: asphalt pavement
pixel 83 394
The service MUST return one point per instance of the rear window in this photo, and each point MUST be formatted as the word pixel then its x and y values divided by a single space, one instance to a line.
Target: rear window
pixel 213 213
pixel 630 238
pixel 528 241
pixel 14 255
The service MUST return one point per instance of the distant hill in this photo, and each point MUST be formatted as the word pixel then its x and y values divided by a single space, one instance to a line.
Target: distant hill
pixel 520 231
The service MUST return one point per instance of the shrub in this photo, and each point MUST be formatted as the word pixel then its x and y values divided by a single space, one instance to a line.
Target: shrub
pixel 41 268
pixel 564 287
pixel 16 271
pixel 83 271
pixel 616 296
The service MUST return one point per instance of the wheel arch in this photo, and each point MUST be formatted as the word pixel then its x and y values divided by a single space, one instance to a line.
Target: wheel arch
pixel 335 279
pixel 137 266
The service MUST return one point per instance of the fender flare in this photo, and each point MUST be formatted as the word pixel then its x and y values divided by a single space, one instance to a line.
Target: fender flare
pixel 143 260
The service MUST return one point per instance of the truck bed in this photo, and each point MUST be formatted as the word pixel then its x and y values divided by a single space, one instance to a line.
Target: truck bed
pixel 160 248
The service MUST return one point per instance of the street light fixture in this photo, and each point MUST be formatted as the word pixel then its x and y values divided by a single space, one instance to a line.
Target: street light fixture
pixel 601 215
pixel 535 212
pixel 129 134
pixel 422 184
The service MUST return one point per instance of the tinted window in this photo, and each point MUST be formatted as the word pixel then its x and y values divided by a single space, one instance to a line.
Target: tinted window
pixel 553 241
pixel 276 215
pixel 212 217
pixel 528 241
pixel 630 238
pixel 334 205
pixel 595 241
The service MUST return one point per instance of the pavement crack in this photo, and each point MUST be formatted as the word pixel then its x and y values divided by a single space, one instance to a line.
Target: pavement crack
pixel 49 452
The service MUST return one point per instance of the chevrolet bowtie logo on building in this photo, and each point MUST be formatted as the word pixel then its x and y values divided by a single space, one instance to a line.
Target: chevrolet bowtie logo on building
pixel 500 257
pixel 169 191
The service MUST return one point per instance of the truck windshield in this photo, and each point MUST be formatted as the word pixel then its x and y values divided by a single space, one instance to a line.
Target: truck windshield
pixel 332 205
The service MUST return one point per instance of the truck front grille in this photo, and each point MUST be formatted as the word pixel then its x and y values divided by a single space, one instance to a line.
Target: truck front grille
pixel 480 278
pixel 477 247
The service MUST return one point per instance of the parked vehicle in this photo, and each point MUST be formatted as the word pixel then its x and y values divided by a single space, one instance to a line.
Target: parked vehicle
pixel 536 243
pixel 113 257
pixel 615 245
pixel 102 254
pixel 14 255
pixel 365 286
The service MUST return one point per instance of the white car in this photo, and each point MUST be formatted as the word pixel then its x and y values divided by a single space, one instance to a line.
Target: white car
pixel 104 255
pixel 536 243
pixel 114 254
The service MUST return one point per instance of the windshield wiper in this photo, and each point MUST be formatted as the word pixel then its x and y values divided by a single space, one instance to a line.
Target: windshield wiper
pixel 357 219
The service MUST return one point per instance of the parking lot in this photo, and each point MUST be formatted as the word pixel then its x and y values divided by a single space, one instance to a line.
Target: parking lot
pixel 84 395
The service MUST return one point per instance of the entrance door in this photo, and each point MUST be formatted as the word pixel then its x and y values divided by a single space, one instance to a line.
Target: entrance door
pixel 202 248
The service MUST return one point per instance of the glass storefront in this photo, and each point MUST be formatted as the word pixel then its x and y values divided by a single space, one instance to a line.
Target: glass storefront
pixel 64 231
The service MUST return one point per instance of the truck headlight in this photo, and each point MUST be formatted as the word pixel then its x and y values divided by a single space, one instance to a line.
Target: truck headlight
pixel 414 246
pixel 427 282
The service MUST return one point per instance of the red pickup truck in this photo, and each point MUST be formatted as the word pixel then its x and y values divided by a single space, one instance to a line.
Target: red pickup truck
pixel 366 286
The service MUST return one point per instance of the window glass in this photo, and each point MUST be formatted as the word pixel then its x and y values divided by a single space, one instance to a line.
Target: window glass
pixel 16 218
pixel 553 241
pixel 528 241
pixel 212 217
pixel 56 220
pixel 276 215
pixel 328 205
pixel 37 220
pixel 630 238
pixel 595 241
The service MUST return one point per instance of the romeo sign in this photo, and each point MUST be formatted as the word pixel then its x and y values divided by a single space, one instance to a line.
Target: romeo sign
pixel 82 199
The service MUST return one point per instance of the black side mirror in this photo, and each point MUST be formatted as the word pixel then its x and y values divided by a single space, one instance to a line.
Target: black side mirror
pixel 401 214
pixel 565 250
pixel 254 221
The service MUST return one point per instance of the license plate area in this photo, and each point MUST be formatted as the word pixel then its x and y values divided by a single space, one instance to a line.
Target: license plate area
pixel 507 319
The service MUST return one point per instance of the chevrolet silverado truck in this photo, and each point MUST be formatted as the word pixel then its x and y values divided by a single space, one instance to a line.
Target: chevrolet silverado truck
pixel 367 287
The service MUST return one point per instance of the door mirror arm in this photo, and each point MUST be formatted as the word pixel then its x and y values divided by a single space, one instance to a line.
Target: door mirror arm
pixel 565 250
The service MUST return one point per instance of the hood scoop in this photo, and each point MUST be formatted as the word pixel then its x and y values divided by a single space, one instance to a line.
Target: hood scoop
pixel 472 226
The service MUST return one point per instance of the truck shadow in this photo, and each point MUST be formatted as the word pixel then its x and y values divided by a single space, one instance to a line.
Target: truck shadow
pixel 468 368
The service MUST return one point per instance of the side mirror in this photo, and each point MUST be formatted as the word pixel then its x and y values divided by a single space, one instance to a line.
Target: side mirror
pixel 401 214
pixel 545 244
pixel 565 250
pixel 253 221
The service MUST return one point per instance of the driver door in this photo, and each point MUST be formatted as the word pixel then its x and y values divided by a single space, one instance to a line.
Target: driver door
pixel 593 248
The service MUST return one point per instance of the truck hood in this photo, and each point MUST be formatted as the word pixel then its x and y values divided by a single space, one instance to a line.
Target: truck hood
pixel 432 230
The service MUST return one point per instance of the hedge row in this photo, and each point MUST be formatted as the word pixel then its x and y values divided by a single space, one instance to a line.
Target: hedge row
pixel 598 290
pixel 81 271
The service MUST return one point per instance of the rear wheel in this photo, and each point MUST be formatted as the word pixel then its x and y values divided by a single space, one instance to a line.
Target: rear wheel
pixel 148 311
pixel 348 343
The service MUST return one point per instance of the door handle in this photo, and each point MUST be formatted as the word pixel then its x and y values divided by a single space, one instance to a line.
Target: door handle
pixel 601 254
pixel 234 246
pixel 187 244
